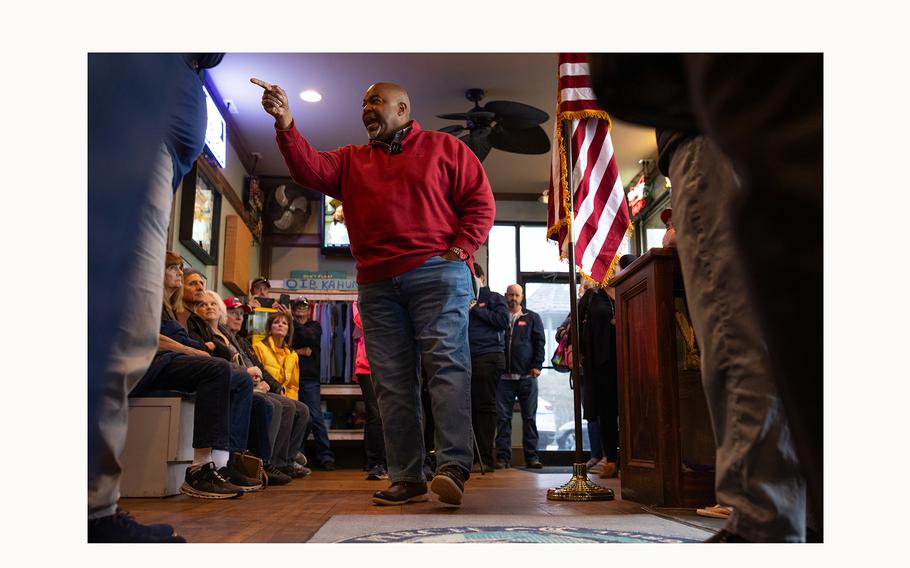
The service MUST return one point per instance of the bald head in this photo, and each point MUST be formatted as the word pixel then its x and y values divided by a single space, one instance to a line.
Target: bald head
pixel 386 110
pixel 514 295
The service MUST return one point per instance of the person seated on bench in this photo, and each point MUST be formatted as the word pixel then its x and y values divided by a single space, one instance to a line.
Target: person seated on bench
pixel 277 451
pixel 222 407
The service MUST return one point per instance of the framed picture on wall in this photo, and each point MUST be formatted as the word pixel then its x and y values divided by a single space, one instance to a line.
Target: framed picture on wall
pixel 200 216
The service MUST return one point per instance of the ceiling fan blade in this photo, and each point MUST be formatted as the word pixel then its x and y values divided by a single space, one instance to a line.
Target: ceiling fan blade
pixel 478 143
pixel 470 115
pixel 520 140
pixel 452 129
pixel 517 115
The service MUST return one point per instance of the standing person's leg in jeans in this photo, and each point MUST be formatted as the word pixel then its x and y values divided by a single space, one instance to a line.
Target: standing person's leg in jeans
pixel 424 310
pixel 311 395
pixel 374 443
pixel 527 402
pixel 506 391
pixel 757 471
pixel 114 372
pixel 485 372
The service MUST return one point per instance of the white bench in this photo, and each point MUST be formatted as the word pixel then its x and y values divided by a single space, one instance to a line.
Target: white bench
pixel 159 446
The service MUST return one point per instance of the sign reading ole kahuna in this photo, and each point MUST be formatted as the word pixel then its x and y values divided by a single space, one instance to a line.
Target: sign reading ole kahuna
pixel 308 280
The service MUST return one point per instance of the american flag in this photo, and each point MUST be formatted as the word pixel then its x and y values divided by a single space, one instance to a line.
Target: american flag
pixel 601 214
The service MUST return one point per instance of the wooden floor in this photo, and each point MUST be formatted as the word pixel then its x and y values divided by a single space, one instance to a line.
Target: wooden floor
pixel 294 512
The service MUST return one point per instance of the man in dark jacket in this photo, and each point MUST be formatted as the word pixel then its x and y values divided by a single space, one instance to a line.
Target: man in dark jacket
pixel 524 359
pixel 306 342
pixel 488 321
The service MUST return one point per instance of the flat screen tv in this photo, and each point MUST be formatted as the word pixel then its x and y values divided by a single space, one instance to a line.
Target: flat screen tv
pixel 215 131
pixel 334 231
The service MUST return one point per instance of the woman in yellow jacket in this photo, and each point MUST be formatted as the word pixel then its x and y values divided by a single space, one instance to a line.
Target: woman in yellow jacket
pixel 276 354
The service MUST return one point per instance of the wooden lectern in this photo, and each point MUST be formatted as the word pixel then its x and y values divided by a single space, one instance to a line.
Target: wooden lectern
pixel 666 441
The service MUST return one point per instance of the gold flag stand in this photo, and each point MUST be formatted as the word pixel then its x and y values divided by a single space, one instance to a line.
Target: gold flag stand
pixel 579 488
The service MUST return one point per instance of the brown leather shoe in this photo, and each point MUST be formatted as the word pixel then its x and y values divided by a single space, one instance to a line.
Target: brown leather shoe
pixel 401 492
pixel 449 484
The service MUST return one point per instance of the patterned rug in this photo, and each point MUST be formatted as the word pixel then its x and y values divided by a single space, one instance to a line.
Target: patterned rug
pixel 507 528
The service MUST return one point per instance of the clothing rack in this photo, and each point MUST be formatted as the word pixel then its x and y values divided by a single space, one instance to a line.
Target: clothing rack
pixel 337 349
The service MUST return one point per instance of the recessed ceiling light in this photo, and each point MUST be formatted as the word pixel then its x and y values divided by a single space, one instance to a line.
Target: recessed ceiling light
pixel 311 96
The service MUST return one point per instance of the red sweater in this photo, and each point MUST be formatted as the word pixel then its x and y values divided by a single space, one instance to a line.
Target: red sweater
pixel 400 209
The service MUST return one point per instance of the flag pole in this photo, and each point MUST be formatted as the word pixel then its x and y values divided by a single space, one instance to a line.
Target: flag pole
pixel 579 488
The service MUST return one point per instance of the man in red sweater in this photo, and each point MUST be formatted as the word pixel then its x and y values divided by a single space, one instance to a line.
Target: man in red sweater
pixel 417 205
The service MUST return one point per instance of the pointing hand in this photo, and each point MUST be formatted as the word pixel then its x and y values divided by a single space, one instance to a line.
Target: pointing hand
pixel 275 102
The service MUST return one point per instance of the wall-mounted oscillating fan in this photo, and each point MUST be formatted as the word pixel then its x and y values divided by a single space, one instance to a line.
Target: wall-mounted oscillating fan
pixel 505 125
pixel 289 209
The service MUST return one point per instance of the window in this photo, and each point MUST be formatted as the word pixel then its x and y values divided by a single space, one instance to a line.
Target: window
pixel 537 254
pixel 502 266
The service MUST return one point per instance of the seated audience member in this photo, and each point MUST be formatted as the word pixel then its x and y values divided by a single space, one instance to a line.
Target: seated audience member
pixel 269 439
pixel 234 312
pixel 193 294
pixel 306 342
pixel 222 407
pixel 276 354
pixel 373 441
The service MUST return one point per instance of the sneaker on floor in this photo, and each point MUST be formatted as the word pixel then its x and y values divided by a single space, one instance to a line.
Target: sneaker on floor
pixel 534 464
pixel 502 464
pixel 401 492
pixel 328 466
pixel 122 527
pixel 300 470
pixel 275 476
pixel 300 458
pixel 204 482
pixel 242 481
pixel 449 484
pixel 591 463
pixel 377 472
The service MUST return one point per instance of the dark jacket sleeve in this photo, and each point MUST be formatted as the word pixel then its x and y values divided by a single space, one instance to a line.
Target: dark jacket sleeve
pixel 201 332
pixel 538 341
pixel 173 329
pixel 496 312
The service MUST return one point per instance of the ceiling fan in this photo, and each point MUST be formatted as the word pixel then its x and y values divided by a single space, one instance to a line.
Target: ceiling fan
pixel 505 125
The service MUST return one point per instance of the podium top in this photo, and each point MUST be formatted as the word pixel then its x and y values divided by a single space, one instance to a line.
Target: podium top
pixel 650 256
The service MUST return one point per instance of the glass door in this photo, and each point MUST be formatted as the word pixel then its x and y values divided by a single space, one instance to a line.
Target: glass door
pixel 549 297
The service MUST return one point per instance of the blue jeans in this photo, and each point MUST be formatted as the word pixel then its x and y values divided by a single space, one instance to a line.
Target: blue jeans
pixel 310 395
pixel 526 391
pixel 421 317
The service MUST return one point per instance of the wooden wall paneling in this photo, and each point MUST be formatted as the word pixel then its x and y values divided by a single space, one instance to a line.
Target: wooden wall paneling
pixel 237 244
